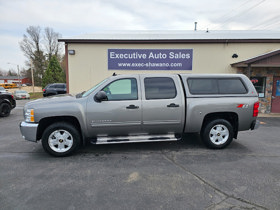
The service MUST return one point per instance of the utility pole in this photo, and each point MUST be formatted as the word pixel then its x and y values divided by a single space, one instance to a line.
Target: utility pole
pixel 19 77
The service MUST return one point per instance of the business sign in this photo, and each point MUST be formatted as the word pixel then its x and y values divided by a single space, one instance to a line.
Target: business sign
pixel 150 59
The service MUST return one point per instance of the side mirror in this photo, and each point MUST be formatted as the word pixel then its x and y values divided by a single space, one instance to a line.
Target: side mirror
pixel 100 96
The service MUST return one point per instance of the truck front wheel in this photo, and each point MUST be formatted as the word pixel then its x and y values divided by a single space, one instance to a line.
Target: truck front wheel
pixel 217 134
pixel 61 139
pixel 5 110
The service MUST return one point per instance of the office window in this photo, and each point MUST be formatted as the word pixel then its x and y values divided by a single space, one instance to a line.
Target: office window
pixel 259 83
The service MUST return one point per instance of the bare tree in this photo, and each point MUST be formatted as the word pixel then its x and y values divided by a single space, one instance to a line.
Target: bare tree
pixel 53 47
pixel 31 42
pixel 2 72
pixel 12 72
pixel 31 47
pixel 39 50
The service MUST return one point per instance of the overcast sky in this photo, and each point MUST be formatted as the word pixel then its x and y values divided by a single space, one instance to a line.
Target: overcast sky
pixel 76 17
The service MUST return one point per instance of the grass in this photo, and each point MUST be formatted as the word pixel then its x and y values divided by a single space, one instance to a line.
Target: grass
pixel 36 95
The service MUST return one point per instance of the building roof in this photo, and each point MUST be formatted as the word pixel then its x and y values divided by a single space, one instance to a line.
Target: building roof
pixel 270 59
pixel 235 36
pixel 11 77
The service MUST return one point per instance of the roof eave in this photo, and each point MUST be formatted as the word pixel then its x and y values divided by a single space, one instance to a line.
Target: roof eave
pixel 243 65
pixel 128 41
pixel 252 61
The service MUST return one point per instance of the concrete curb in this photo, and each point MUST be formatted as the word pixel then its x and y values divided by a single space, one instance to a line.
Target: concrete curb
pixel 269 115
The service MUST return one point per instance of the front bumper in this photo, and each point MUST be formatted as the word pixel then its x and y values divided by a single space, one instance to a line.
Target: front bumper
pixel 13 103
pixel 29 131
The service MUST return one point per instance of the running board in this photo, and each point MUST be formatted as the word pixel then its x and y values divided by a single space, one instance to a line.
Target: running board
pixel 135 139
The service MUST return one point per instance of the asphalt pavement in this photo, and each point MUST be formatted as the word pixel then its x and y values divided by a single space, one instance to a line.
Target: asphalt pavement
pixel 168 175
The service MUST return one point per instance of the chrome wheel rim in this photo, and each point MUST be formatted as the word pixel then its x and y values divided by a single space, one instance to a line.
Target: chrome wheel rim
pixel 60 141
pixel 219 134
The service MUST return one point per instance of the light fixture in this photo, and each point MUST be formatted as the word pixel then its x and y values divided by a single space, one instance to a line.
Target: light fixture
pixel 71 52
pixel 234 55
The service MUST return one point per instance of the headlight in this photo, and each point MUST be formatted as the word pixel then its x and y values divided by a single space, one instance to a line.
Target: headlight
pixel 29 115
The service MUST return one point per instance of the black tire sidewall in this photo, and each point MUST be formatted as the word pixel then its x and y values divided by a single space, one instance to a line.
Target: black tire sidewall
pixel 206 130
pixel 57 126
pixel 2 106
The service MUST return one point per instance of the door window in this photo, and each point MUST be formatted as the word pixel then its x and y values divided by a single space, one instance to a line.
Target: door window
pixel 122 89
pixel 159 88
pixel 277 93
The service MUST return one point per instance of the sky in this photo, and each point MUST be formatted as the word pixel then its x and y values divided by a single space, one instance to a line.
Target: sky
pixel 77 17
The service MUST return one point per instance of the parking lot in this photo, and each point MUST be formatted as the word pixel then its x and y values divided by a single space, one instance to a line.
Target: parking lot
pixel 177 175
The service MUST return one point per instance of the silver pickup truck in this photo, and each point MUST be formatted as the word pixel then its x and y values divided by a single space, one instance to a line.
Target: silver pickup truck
pixel 144 108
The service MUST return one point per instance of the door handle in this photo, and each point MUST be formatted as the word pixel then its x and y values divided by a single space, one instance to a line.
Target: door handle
pixel 173 105
pixel 132 107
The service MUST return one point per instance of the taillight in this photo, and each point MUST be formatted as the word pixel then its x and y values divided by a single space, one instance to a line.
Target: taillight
pixel 256 109
pixel 44 90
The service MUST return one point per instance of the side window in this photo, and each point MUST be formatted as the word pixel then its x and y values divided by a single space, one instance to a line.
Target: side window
pixel 231 86
pixel 60 86
pixel 159 88
pixel 202 86
pixel 216 86
pixel 122 89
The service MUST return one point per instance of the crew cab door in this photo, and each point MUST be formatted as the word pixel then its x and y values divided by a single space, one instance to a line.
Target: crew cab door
pixel 163 104
pixel 121 114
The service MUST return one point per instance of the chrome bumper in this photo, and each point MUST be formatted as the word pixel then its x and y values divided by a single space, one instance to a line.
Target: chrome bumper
pixel 28 131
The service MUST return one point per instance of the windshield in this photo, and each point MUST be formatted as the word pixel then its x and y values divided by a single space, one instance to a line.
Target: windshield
pixel 85 94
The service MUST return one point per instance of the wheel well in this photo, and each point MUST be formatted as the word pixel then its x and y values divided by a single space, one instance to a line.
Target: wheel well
pixel 44 123
pixel 231 117
pixel 5 102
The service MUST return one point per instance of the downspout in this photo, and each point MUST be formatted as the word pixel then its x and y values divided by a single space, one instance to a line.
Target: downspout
pixel 67 68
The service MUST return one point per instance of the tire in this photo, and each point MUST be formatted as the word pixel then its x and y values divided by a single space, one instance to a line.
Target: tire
pixel 5 110
pixel 61 139
pixel 217 134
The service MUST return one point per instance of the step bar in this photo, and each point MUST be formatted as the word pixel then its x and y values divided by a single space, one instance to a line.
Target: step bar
pixel 134 139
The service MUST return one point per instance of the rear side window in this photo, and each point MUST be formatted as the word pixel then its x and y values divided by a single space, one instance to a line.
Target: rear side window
pixel 203 86
pixel 231 86
pixel 160 88
pixel 60 86
pixel 216 86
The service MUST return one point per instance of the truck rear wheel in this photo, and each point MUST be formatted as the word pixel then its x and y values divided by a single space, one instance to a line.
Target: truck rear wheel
pixel 61 139
pixel 217 134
